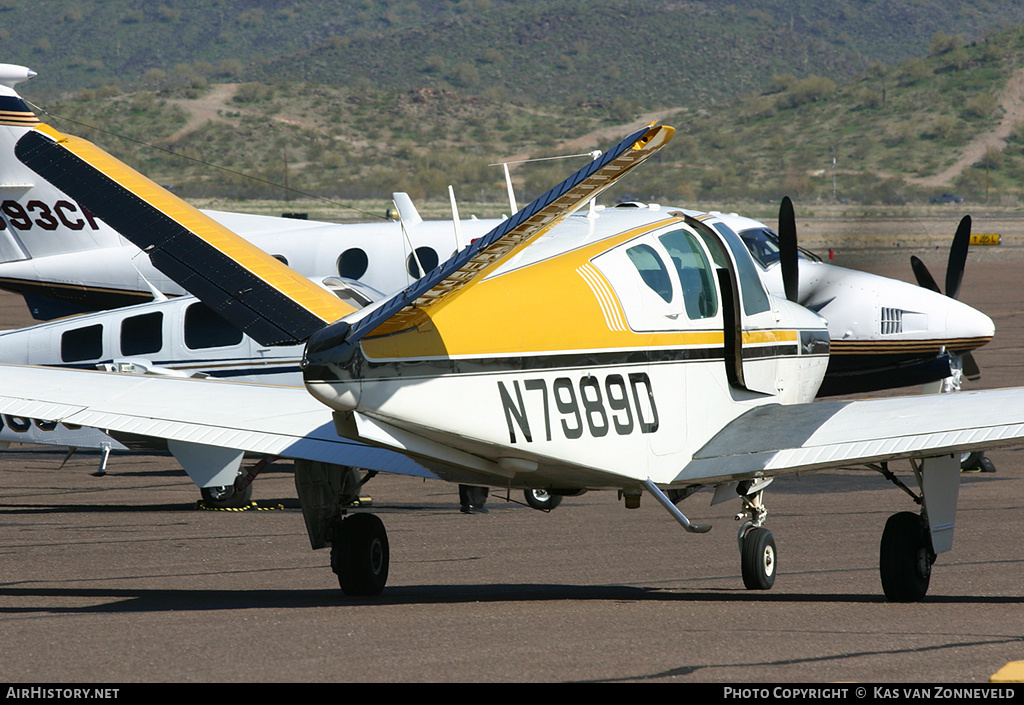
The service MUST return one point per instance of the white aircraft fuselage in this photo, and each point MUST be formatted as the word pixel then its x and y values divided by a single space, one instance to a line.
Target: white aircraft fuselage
pixel 634 324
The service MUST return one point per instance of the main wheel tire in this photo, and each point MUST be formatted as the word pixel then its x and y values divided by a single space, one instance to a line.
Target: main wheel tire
pixel 542 499
pixel 360 555
pixel 759 559
pixel 226 497
pixel 905 558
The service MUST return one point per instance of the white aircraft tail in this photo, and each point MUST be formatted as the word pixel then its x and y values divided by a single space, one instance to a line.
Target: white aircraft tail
pixel 36 219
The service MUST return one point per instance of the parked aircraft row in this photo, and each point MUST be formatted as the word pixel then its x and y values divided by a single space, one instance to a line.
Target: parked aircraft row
pixel 634 349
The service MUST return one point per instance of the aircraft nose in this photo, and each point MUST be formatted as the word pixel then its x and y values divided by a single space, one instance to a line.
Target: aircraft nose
pixel 966 323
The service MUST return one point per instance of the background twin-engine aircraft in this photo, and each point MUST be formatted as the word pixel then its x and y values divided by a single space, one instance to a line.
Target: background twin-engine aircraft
pixel 635 350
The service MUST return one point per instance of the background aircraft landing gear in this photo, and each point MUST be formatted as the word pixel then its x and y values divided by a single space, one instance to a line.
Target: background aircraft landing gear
pixel 360 555
pixel 976 462
pixel 542 499
pixel 905 558
pixel 226 497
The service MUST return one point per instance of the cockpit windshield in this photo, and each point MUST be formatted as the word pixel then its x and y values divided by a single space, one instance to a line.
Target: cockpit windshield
pixel 763 245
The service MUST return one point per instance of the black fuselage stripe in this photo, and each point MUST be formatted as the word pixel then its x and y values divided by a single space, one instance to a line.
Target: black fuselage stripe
pixel 551 362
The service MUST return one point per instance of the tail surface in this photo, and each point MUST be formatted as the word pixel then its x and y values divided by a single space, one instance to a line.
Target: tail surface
pixel 36 218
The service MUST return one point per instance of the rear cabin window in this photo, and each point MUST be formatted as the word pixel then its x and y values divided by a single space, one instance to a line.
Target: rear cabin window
pixel 652 270
pixel 82 344
pixel 205 328
pixel 142 335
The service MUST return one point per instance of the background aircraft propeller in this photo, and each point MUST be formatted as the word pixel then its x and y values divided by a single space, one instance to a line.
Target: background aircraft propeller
pixel 788 250
pixel 954 276
pixel 954 265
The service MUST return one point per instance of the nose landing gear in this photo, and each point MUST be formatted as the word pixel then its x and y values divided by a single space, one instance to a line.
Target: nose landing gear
pixel 758 554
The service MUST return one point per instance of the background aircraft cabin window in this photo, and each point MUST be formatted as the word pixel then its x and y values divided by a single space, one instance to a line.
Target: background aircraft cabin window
pixel 652 270
pixel 205 328
pixel 699 295
pixel 141 335
pixel 82 344
pixel 428 258
pixel 353 263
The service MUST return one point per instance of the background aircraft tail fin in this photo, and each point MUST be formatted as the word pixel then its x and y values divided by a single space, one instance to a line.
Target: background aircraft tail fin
pixel 36 218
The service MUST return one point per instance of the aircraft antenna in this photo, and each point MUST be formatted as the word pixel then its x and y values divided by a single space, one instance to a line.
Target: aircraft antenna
pixel 456 223
pixel 408 240
pixel 511 192
pixel 508 179
pixel 157 294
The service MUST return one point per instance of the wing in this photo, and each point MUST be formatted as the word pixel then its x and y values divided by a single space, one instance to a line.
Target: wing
pixel 259 294
pixel 284 421
pixel 774 440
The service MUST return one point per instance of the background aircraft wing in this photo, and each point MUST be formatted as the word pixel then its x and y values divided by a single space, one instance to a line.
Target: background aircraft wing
pixel 259 294
pixel 284 421
pixel 775 439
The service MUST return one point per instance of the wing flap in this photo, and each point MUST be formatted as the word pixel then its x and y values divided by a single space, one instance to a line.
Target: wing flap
pixel 284 421
pixel 777 439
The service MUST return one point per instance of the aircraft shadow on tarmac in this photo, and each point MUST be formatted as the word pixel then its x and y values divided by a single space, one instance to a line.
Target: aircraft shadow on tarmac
pixel 125 601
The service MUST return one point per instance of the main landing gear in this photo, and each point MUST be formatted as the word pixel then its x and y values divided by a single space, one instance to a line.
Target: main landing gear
pixel 360 555
pixel 905 557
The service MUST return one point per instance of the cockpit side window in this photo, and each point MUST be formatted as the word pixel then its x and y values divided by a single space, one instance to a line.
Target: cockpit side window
pixel 652 270
pixel 699 295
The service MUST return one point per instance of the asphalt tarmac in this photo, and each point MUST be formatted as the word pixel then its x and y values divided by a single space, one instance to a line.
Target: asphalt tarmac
pixel 122 579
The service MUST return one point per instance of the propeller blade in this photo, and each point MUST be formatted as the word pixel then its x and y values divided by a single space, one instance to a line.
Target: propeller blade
pixel 788 250
pixel 958 257
pixel 970 366
pixel 924 277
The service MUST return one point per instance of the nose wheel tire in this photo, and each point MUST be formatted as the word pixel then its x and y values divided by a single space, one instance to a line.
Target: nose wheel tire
pixel 360 555
pixel 905 558
pixel 542 499
pixel 759 559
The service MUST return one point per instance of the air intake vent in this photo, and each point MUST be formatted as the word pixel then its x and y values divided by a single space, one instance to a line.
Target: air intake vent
pixel 892 321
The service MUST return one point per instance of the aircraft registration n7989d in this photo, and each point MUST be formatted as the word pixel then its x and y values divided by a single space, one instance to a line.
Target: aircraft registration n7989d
pixel 622 350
